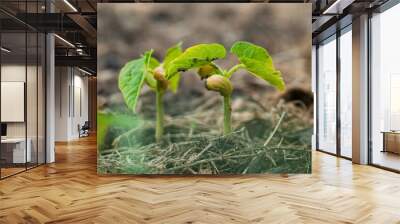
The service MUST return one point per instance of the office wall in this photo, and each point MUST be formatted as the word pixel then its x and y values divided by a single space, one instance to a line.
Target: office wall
pixel 33 126
pixel 61 103
pixel 24 62
pixel 71 102
pixel 16 73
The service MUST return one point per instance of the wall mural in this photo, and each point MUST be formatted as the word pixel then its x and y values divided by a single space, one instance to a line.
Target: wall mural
pixel 204 88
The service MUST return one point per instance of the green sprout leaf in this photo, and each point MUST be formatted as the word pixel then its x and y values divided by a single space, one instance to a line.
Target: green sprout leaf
pixel 196 56
pixel 258 62
pixel 174 82
pixel 172 53
pixel 150 81
pixel 153 63
pixel 131 79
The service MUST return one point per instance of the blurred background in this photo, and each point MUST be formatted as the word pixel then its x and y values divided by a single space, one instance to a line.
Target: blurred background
pixel 125 31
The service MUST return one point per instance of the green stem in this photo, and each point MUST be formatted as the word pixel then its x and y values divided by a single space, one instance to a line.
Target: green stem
pixel 234 69
pixel 160 113
pixel 227 115
pixel 219 69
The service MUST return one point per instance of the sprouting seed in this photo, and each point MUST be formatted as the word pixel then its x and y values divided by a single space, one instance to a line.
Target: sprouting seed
pixel 147 69
pixel 253 58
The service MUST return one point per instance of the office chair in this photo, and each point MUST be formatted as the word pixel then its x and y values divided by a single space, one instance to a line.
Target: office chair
pixel 84 130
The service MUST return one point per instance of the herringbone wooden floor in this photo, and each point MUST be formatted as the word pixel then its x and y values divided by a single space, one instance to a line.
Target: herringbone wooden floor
pixel 70 191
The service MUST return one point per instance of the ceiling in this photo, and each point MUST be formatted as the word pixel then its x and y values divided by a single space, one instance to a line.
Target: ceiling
pixel 74 22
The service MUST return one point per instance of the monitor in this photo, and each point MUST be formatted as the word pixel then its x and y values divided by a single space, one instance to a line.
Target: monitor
pixel 3 129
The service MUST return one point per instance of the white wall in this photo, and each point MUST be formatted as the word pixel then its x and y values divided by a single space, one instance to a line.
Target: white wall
pixel 12 73
pixel 33 126
pixel 71 93
pixel 80 115
pixel 15 73
pixel 62 81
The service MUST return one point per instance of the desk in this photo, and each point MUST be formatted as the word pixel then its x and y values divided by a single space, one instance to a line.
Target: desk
pixel 391 141
pixel 13 150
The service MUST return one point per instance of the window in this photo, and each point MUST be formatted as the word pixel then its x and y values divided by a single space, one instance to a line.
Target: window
pixel 346 92
pixel 385 89
pixel 327 95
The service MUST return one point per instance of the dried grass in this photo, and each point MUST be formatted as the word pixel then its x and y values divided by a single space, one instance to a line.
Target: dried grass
pixel 275 141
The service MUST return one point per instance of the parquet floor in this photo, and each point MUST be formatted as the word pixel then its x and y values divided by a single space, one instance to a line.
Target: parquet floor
pixel 10 171
pixel 70 191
